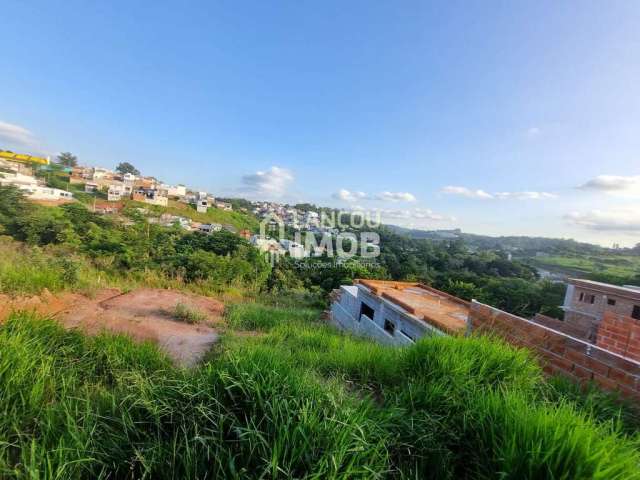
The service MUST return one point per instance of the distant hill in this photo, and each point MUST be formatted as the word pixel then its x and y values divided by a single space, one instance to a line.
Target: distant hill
pixel 522 245
pixel 426 234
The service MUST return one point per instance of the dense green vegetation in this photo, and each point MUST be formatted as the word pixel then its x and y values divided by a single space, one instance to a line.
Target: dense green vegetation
pixel 137 250
pixel 486 275
pixel 299 400
pixel 565 257
pixel 609 267
pixel 214 263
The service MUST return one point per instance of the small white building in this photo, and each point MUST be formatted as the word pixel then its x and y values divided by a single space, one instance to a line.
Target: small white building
pixel 202 205
pixel 129 178
pixel 18 180
pixel 169 220
pixel 174 191
pixel 116 192
pixel 150 196
pixel 223 206
pixel 91 187
pixel 46 193
pixel 99 173
pixel 295 250
pixel 209 228
pixel 266 244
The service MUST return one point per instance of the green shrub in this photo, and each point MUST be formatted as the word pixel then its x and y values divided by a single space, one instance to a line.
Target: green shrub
pixel 187 314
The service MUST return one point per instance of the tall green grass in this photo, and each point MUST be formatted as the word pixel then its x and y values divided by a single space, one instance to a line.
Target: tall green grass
pixel 463 408
pixel 28 270
pixel 75 407
pixel 300 400
pixel 253 316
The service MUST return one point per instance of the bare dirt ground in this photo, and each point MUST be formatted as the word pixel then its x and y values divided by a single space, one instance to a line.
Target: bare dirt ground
pixel 144 314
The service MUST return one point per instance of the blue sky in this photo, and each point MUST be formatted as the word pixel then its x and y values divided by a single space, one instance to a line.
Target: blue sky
pixel 487 116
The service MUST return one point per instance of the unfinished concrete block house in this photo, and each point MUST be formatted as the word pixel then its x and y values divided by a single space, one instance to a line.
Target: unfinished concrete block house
pixel 599 343
pixel 398 313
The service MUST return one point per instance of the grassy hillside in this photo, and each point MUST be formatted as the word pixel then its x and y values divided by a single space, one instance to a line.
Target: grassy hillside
pixel 296 399
pixel 214 215
pixel 609 267
pixel 239 220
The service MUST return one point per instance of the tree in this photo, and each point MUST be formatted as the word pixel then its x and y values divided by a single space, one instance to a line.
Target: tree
pixel 68 159
pixel 13 205
pixel 126 167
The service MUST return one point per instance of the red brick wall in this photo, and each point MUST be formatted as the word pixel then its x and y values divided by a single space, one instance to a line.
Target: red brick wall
pixel 558 352
pixel 562 326
pixel 620 334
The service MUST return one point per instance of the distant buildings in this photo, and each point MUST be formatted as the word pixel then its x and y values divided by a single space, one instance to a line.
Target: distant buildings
pixel 18 180
pixel 169 220
pixel 175 191
pixel 295 250
pixel 267 245
pixel 35 189
pixel 91 187
pixel 223 205
pixel 209 227
pixel 290 217
pixel 202 205
pixel 119 191
pixel 586 303
pixel 47 194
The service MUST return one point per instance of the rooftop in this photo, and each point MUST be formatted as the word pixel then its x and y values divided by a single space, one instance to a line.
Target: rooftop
pixel 629 291
pixel 441 310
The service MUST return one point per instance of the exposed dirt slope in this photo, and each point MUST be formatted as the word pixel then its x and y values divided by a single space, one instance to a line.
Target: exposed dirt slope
pixel 144 314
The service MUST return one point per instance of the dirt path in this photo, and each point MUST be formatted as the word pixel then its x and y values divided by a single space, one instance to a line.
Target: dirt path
pixel 144 314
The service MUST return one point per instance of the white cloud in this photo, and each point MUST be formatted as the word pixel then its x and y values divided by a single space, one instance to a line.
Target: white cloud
pixel 466 192
pixel 17 135
pixel 413 214
pixel 620 220
pixel 396 197
pixel 482 195
pixel 348 196
pixel 271 183
pixel 626 186
pixel 525 195
pixel 386 196
pixel 533 132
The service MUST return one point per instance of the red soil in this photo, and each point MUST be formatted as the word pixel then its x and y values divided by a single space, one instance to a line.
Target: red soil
pixel 144 314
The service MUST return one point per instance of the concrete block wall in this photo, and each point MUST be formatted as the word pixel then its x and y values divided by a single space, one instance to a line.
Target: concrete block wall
pixel 564 326
pixel 620 334
pixel 558 352
pixel 364 326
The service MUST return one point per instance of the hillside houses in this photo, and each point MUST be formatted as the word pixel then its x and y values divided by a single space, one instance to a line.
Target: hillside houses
pixel 174 191
pixel 117 192
pixel 111 190
pixel 292 217
pixel 146 189
pixel 34 188
pixel 151 196
pixel 223 206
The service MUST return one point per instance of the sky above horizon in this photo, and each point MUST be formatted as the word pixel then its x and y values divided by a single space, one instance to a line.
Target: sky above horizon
pixel 501 118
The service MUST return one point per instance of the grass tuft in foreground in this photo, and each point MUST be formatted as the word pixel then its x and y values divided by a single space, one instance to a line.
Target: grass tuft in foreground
pixel 300 400
pixel 185 313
